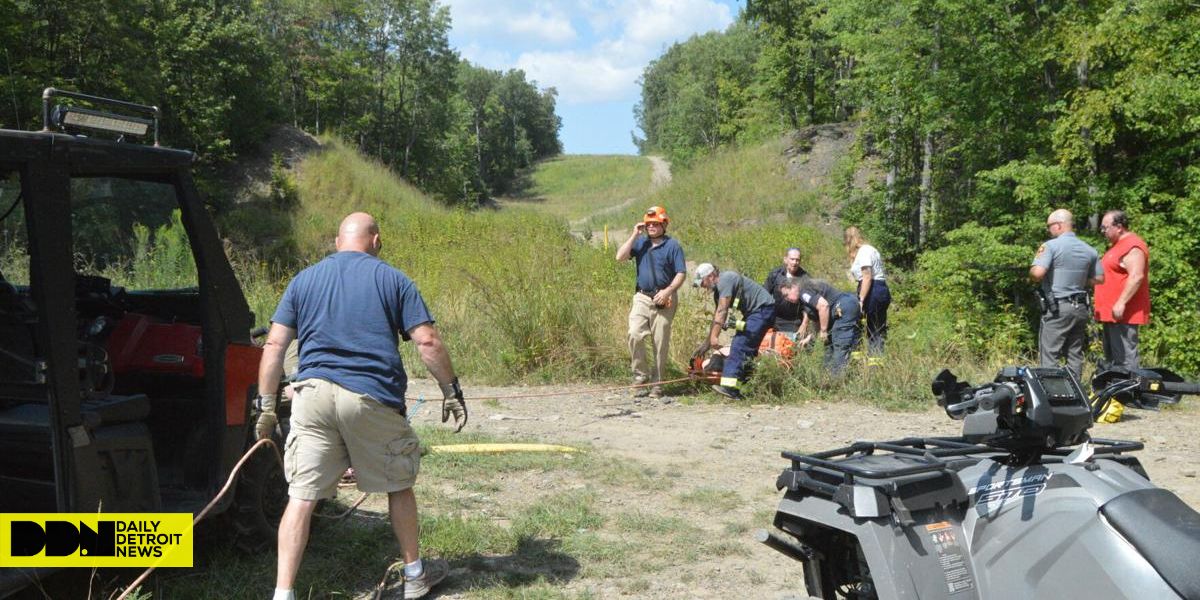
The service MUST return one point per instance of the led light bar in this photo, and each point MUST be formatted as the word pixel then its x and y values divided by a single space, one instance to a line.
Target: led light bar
pixel 77 117
pixel 74 116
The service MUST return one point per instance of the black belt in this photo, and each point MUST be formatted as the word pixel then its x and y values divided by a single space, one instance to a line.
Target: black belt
pixel 649 293
pixel 1074 298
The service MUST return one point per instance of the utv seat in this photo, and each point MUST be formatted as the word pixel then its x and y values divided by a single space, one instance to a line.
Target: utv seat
pixel 1164 530
pixel 118 434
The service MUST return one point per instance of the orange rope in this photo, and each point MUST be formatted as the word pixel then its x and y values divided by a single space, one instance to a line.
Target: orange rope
pixel 268 442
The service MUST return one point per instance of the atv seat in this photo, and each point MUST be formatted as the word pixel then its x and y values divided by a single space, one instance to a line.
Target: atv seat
pixel 1164 530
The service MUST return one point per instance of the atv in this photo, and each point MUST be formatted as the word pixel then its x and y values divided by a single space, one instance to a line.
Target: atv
pixel 127 367
pixel 1025 504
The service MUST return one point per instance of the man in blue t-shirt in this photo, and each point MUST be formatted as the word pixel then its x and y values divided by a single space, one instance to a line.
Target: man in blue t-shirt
pixel 660 272
pixel 348 312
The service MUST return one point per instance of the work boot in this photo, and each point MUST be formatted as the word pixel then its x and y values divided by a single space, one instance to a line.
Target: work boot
pixel 656 392
pixel 435 571
pixel 728 392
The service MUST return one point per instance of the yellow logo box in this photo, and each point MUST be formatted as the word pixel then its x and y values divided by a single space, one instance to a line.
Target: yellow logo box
pixel 96 539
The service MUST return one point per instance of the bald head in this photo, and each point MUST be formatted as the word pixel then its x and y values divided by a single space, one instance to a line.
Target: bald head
pixel 1060 221
pixel 359 233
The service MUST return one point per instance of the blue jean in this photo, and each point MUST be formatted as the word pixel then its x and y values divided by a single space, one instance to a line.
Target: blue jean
pixel 844 332
pixel 745 346
pixel 876 307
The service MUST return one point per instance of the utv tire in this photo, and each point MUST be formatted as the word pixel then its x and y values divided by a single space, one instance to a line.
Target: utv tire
pixel 259 501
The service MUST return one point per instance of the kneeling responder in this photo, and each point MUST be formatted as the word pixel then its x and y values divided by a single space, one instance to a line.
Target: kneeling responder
pixel 734 290
pixel 836 313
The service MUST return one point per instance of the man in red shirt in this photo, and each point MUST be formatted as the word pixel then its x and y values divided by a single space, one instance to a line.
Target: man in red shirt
pixel 1123 300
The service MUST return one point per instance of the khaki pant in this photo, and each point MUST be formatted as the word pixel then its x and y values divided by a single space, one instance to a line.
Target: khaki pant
pixel 647 320
pixel 333 428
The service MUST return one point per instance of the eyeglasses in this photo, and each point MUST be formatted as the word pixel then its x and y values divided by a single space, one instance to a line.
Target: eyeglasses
pixel 1104 227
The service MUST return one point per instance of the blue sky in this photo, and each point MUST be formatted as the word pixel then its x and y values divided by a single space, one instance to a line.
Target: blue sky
pixel 591 51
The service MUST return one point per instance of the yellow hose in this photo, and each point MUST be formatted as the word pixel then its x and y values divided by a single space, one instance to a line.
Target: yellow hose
pixel 497 448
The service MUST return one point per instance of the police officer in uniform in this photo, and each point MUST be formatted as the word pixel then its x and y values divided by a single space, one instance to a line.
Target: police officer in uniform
pixel 1064 267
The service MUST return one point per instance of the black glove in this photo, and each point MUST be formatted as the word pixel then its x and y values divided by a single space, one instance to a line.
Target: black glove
pixel 454 404
pixel 701 349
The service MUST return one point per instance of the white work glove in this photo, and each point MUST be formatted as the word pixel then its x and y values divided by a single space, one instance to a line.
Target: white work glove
pixel 453 404
pixel 264 428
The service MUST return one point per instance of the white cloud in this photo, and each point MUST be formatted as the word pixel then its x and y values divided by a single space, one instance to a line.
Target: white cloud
pixel 552 28
pixel 655 22
pixel 513 22
pixel 581 77
pixel 619 38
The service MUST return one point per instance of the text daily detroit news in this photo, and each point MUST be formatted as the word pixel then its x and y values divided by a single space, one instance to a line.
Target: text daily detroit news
pixel 96 539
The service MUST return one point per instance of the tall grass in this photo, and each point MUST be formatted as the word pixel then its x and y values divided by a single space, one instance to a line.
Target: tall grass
pixel 515 296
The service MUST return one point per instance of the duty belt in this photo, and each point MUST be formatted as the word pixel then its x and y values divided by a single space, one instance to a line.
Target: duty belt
pixel 1080 298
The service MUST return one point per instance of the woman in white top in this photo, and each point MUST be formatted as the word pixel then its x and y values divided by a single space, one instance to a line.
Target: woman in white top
pixel 873 294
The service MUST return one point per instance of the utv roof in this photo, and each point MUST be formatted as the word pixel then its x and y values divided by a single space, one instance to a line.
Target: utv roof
pixel 87 155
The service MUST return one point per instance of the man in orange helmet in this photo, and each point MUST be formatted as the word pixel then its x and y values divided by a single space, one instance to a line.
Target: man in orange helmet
pixel 660 272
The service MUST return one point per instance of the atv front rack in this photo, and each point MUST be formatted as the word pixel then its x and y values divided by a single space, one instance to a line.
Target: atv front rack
pixel 901 477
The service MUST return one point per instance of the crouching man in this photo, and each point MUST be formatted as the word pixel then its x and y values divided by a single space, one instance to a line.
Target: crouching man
pixel 732 290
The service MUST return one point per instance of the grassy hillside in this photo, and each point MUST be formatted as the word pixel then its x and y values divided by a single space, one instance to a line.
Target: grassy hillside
pixel 577 186
pixel 519 298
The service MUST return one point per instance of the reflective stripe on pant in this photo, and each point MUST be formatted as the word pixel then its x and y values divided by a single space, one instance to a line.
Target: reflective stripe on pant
pixel 1063 336
pixel 844 332
pixel 647 320
pixel 745 346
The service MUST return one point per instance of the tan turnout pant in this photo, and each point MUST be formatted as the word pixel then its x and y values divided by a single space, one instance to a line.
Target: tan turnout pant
pixel 647 320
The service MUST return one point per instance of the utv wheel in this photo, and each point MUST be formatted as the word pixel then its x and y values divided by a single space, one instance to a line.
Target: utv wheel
pixel 259 501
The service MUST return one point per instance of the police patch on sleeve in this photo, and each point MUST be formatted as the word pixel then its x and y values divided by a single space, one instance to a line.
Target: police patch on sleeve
pixel 1041 250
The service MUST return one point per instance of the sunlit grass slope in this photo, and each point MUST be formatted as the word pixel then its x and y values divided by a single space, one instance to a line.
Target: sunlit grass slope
pixel 518 298
pixel 515 296
pixel 574 187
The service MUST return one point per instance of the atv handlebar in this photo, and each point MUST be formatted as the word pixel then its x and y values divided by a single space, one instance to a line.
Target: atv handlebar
pixel 984 398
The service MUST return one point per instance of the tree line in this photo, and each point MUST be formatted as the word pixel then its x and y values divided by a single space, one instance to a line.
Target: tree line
pixel 380 73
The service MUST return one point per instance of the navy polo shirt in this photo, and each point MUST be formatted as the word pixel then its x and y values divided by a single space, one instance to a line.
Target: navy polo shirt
pixel 657 265
pixel 348 312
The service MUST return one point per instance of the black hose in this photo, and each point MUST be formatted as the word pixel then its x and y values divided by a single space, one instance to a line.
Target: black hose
pixel 1179 387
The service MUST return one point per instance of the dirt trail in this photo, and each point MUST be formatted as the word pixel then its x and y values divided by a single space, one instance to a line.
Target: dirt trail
pixel 736 448
pixel 660 176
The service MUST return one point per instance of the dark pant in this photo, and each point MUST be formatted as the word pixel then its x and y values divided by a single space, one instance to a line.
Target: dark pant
pixel 844 332
pixel 875 309
pixel 1121 345
pixel 745 346
pixel 1064 335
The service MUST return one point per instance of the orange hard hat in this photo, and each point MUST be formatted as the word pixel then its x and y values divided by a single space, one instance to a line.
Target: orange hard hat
pixel 656 214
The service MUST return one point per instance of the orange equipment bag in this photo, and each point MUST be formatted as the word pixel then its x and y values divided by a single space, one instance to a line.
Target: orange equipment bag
pixel 778 344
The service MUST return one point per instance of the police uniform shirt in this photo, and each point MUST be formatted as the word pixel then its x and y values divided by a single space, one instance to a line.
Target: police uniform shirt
pixel 812 290
pixel 1069 263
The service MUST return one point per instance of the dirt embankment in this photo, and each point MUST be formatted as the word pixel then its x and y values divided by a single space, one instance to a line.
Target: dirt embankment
pixel 249 177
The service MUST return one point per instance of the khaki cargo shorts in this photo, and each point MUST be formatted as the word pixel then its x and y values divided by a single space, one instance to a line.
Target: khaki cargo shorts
pixel 333 428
